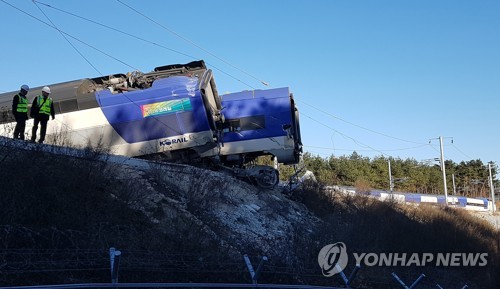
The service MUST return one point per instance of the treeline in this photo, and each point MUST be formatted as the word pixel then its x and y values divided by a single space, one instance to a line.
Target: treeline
pixel 471 177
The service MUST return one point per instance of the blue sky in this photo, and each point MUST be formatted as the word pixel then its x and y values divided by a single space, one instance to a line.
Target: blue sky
pixel 377 77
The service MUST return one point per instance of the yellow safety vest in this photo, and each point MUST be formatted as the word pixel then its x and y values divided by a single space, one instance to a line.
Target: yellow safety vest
pixel 45 107
pixel 22 105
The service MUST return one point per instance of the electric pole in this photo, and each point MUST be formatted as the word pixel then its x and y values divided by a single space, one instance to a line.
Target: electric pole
pixel 492 189
pixel 443 170
pixel 454 189
pixel 391 182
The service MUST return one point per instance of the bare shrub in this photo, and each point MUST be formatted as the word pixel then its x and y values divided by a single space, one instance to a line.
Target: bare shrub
pixel 362 186
pixel 203 191
pixel 59 137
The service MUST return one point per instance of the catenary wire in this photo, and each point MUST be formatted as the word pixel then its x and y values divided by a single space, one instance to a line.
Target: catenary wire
pixel 67 40
pixel 69 35
pixel 387 150
pixel 144 40
pixel 115 29
pixel 192 43
pixel 170 49
pixel 367 129
pixel 358 126
pixel 157 119
pixel 369 148
pixel 460 151
pixel 164 47
pixel 344 135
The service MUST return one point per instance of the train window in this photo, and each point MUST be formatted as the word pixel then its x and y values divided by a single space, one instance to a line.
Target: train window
pixel 57 107
pixel 87 103
pixel 68 105
pixel 477 203
pixel 247 123
pixel 234 126
pixel 253 122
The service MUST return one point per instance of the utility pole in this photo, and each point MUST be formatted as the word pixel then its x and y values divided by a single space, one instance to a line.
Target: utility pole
pixel 443 170
pixel 391 182
pixel 492 189
pixel 454 189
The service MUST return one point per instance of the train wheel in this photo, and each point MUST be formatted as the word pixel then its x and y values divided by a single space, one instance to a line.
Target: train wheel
pixel 267 178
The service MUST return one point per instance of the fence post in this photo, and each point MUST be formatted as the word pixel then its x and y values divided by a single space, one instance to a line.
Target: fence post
pixel 348 281
pixel 114 258
pixel 254 274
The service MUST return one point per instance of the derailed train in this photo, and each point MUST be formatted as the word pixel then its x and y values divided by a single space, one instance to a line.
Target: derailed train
pixel 175 113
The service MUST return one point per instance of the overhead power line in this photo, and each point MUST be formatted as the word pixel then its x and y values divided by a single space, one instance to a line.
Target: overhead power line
pixel 69 35
pixel 64 33
pixel 192 43
pixel 142 39
pixel 67 40
pixel 344 135
pixel 358 126
pixel 455 147
pixel 382 150
pixel 115 29
pixel 367 147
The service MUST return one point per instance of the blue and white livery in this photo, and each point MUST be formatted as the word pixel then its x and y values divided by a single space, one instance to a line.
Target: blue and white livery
pixel 173 113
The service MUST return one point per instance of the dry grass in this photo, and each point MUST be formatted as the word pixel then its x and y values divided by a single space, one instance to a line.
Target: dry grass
pixel 362 185
pixel 368 225
pixel 79 205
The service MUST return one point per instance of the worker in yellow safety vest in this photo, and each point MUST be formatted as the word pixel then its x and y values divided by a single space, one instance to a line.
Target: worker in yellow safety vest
pixel 41 110
pixel 20 111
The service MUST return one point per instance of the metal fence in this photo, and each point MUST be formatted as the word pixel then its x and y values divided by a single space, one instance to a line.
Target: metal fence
pixel 171 285
pixel 253 274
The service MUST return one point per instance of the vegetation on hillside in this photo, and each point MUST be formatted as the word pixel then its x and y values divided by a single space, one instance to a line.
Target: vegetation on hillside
pixel 471 177
pixel 60 215
pixel 367 225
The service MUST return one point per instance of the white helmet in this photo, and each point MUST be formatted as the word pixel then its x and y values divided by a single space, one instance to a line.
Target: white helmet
pixel 46 89
pixel 25 87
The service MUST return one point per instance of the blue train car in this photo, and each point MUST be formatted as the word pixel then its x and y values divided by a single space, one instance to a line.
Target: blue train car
pixel 260 122
pixel 172 113
pixel 412 198
pixel 174 110
pixel 478 204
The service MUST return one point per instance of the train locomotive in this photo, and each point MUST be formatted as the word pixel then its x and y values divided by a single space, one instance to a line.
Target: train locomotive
pixel 257 123
pixel 173 113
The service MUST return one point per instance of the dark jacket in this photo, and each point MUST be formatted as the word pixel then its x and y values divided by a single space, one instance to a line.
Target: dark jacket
pixel 18 115
pixel 34 110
